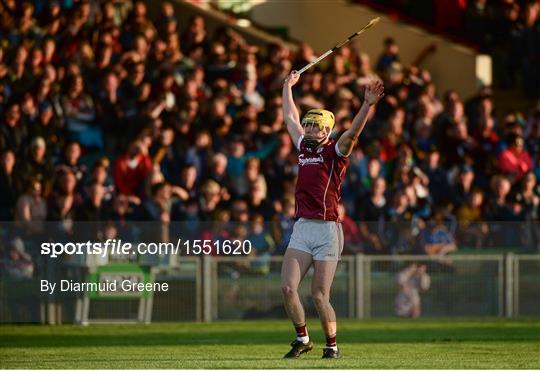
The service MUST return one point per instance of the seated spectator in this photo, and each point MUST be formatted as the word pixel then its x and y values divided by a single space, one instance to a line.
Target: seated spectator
pixel 47 126
pixel 94 207
pixel 472 231
pixel 210 198
pixel 439 189
pixel 9 187
pixel 352 243
pixel 131 170
pixel 71 161
pixel 63 202
pixel 31 208
pixel 284 224
pixel 12 133
pixel 100 175
pixel 389 55
pixel 371 210
pixel 515 160
pixel 436 239
pixel 398 223
pixel 80 114
pixel 263 245
pixel 38 165
pixel 463 186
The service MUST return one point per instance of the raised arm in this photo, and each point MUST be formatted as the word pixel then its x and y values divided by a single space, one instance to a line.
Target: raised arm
pixel 374 92
pixel 290 113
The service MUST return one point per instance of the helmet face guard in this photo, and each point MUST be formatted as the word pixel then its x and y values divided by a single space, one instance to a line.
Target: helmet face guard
pixel 310 121
pixel 323 119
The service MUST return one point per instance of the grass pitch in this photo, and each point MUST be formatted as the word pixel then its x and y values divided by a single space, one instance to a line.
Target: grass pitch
pixel 374 344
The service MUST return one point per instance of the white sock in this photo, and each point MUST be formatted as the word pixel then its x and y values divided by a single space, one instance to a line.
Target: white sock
pixel 333 348
pixel 303 339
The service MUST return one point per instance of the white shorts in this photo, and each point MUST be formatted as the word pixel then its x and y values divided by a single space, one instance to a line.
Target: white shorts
pixel 320 238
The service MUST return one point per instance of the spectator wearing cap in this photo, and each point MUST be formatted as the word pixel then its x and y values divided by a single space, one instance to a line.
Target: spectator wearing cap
pixel 515 160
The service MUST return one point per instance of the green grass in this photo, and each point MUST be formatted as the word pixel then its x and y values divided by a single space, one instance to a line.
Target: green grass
pixel 374 344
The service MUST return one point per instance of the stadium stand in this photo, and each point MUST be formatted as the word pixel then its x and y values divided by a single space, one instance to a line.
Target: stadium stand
pixel 108 115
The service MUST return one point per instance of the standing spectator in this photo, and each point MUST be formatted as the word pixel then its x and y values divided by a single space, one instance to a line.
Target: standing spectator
pixel 411 281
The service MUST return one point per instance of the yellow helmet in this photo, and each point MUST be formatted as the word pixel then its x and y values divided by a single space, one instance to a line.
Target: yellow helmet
pixel 320 117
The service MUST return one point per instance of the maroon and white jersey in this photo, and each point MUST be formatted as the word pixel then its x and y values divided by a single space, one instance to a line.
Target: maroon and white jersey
pixel 320 175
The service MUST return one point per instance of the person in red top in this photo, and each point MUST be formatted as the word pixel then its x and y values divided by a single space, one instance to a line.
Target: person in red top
pixel 131 169
pixel 515 160
pixel 317 237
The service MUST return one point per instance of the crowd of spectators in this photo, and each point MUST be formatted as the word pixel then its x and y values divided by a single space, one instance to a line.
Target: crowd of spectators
pixel 108 115
pixel 509 30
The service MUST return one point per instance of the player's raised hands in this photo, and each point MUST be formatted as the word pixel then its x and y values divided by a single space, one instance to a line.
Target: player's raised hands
pixel 292 78
pixel 374 91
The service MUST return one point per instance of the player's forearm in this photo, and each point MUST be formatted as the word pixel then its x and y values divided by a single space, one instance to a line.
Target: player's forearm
pixel 290 113
pixel 359 121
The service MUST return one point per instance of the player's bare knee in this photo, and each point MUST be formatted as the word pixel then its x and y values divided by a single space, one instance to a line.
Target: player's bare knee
pixel 288 290
pixel 320 298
